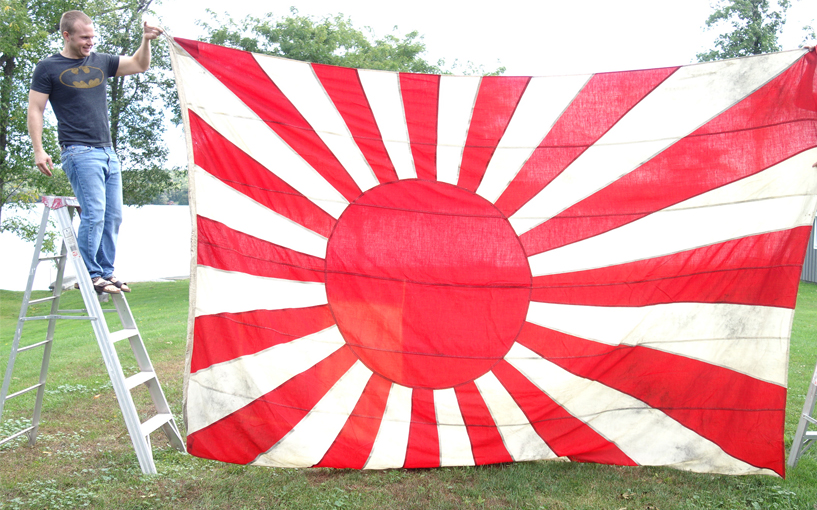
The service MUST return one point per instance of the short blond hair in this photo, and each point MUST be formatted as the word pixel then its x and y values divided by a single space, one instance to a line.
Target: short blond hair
pixel 69 19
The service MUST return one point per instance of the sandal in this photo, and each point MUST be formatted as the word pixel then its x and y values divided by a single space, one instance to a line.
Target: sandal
pixel 102 285
pixel 119 285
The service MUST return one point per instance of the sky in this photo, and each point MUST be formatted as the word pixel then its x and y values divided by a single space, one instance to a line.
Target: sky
pixel 528 37
pixel 544 37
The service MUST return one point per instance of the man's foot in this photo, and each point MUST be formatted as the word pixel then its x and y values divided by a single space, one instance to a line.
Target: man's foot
pixel 102 285
pixel 119 285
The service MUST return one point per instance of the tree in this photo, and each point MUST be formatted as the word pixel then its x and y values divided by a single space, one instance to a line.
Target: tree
pixel 27 37
pixel 328 40
pixel 137 103
pixel 756 25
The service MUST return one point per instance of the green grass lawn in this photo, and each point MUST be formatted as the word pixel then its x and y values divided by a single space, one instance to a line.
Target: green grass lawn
pixel 84 458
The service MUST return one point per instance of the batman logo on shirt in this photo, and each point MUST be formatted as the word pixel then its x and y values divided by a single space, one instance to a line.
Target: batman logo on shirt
pixel 82 77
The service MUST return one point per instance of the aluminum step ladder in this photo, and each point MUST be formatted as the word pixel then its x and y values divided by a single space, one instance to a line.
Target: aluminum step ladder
pixel 804 438
pixel 64 208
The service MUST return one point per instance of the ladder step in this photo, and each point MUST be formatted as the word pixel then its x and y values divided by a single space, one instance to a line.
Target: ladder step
pixel 53 257
pixel 122 334
pixel 32 346
pixel 17 394
pixel 155 422
pixel 61 317
pixel 42 300
pixel 140 378
pixel 18 434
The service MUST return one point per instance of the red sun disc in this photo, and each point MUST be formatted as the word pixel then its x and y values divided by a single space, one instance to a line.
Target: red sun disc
pixel 428 283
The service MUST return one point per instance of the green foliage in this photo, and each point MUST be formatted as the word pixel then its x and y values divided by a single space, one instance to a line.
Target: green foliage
pixel 177 193
pixel 49 494
pixel 27 36
pixel 809 35
pixel 756 25
pixel 329 40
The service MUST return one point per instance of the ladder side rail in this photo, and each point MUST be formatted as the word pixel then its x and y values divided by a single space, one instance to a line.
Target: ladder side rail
pixel 49 342
pixel 802 441
pixel 35 261
pixel 135 337
pixel 109 355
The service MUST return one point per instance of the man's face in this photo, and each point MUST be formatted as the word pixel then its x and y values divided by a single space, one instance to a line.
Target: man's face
pixel 79 44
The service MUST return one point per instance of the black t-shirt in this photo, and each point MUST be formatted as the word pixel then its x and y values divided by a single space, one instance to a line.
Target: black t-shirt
pixel 78 95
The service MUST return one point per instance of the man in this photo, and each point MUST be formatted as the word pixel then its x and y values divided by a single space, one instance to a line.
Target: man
pixel 74 81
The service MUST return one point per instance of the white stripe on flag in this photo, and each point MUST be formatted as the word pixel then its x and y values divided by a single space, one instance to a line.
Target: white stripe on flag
pixel 215 392
pixel 455 445
pixel 220 291
pixel 226 205
pixel 779 198
pixel 458 95
pixel 391 443
pixel 298 82
pixel 519 436
pixel 382 89
pixel 646 435
pixel 544 100
pixel 681 104
pixel 708 332
pixel 309 440
pixel 221 109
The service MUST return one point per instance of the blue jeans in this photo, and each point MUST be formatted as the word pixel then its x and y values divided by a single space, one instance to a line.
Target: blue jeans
pixel 95 175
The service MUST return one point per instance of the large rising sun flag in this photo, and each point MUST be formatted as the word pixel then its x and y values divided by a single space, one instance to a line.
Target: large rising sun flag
pixel 407 270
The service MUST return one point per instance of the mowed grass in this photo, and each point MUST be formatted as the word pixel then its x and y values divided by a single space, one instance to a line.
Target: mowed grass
pixel 83 457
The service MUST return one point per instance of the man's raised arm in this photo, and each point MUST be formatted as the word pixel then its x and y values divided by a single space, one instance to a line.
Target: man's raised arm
pixel 139 62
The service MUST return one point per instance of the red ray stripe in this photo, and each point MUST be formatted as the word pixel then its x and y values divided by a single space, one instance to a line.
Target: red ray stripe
pixel 226 336
pixel 420 101
pixel 353 445
pixel 566 435
pixel 759 270
pixel 223 160
pixel 486 441
pixel 713 401
pixel 224 248
pixel 252 430
pixel 423 443
pixel 241 73
pixel 760 131
pixel 605 99
pixel 496 102
pixel 346 92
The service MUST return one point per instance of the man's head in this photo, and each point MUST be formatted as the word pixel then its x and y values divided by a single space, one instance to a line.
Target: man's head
pixel 77 34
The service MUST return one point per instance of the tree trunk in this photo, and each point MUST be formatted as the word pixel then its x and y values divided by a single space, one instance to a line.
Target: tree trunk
pixel 116 92
pixel 9 65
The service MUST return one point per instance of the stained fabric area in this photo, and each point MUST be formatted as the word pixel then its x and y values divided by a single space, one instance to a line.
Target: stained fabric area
pixel 403 270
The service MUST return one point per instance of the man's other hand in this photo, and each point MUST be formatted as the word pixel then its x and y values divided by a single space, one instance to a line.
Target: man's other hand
pixel 43 162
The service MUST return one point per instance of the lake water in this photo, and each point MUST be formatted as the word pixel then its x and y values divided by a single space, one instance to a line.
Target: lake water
pixel 154 244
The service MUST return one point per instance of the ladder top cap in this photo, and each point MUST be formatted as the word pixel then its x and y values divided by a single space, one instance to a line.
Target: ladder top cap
pixel 59 202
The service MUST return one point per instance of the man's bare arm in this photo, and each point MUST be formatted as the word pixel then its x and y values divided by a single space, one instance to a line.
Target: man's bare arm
pixel 36 107
pixel 139 62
